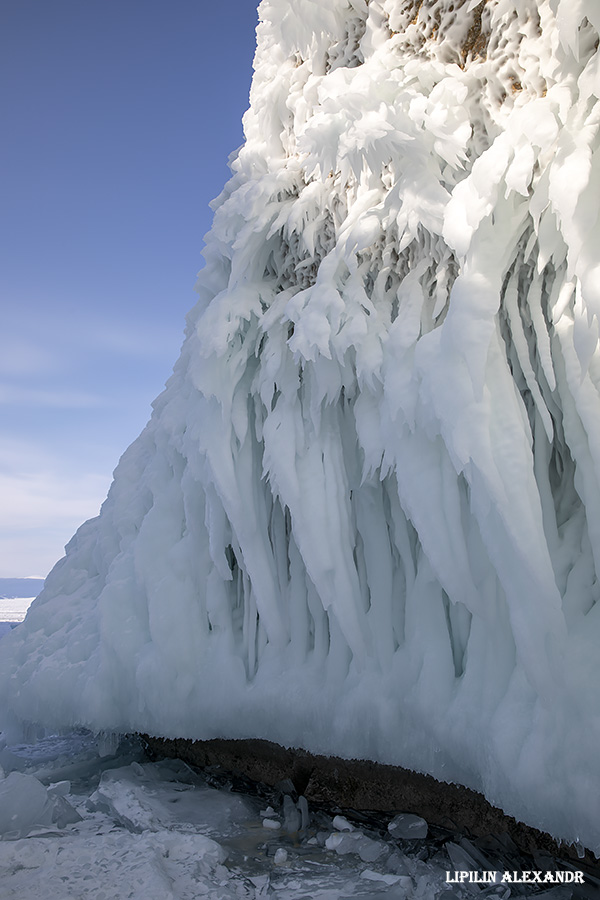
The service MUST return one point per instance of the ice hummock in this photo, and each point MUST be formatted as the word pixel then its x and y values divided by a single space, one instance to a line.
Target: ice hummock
pixel 364 517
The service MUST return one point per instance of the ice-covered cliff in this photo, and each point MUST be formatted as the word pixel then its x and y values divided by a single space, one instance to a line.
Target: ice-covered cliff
pixel 365 515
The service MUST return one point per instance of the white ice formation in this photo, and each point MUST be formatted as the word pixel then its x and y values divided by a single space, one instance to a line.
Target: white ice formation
pixel 364 517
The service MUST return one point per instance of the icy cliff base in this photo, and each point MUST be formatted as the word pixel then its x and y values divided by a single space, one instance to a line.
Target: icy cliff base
pixel 76 824
pixel 365 515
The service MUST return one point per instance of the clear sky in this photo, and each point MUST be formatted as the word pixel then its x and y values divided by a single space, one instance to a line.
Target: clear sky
pixel 117 117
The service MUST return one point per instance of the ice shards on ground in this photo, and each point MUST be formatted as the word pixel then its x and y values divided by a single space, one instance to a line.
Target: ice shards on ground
pixel 368 849
pixel 23 805
pixel 150 831
pixel 130 796
pixel 408 827
pixel 26 804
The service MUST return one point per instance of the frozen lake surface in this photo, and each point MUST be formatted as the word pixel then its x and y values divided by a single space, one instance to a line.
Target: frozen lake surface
pixel 82 819
pixel 14 609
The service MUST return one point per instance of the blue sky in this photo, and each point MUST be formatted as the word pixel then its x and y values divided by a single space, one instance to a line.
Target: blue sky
pixel 118 117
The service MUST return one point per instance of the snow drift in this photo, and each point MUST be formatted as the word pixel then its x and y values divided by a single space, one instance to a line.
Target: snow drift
pixel 364 517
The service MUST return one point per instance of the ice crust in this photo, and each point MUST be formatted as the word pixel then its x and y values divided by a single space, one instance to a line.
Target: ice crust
pixel 162 831
pixel 364 517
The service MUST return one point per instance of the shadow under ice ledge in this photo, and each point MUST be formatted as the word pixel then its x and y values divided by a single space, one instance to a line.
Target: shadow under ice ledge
pixel 366 785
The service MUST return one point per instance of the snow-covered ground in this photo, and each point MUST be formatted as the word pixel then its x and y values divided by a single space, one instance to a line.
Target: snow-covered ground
pixel 81 819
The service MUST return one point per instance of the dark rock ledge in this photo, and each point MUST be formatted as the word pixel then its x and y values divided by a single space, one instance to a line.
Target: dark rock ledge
pixel 364 785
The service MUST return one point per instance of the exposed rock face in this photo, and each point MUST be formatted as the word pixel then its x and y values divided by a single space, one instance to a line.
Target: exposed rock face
pixel 365 785
pixel 365 515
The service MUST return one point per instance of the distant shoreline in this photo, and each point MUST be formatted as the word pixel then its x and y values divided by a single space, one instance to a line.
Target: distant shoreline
pixel 23 586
